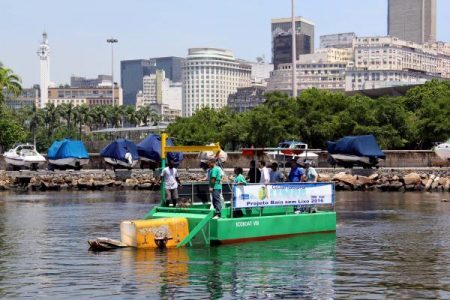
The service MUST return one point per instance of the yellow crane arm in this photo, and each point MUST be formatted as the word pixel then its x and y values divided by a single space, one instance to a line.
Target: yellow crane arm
pixel 164 148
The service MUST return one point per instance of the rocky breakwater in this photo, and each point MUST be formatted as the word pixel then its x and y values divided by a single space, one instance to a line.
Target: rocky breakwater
pixel 438 181
pixel 83 180
pixel 88 180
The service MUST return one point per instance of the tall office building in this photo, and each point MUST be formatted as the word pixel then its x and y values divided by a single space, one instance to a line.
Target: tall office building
pixel 132 73
pixel 412 20
pixel 209 76
pixel 282 39
pixel 171 66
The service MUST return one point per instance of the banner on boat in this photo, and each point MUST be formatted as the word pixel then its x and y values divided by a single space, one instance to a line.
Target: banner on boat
pixel 284 194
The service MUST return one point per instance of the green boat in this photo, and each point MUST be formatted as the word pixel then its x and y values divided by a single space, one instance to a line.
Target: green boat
pixel 254 212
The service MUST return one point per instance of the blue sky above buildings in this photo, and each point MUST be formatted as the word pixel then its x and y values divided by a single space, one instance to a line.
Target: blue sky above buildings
pixel 150 28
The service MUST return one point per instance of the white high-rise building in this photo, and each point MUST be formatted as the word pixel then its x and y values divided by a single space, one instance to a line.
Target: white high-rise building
pixel 210 75
pixel 44 57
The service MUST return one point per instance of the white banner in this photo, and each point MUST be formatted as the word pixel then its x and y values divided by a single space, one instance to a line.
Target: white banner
pixel 283 194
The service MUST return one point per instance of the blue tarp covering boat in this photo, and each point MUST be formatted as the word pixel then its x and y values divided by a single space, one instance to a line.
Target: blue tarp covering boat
pixel 363 145
pixel 119 148
pixel 67 149
pixel 150 148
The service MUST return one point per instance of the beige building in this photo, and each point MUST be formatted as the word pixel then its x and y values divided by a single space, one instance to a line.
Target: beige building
pixel 210 75
pixel 389 61
pixel 89 96
pixel 323 70
pixel 332 55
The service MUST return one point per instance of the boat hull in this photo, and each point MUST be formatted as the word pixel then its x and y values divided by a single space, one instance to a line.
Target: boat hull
pixel 24 162
pixel 266 227
pixel 119 163
pixel 443 151
pixel 273 225
pixel 70 161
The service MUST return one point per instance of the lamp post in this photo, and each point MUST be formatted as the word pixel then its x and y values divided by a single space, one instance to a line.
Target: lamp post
pixel 294 52
pixel 112 41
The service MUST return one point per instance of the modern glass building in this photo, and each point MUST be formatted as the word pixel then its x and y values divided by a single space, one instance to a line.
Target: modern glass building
pixel 132 73
pixel 282 39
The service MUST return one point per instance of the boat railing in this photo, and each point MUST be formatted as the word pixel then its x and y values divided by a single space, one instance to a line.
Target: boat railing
pixel 198 192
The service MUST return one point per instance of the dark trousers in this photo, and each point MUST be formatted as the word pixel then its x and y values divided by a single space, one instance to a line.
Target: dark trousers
pixel 216 201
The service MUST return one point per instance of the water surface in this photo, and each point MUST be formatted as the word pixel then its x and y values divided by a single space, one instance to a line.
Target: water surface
pixel 387 245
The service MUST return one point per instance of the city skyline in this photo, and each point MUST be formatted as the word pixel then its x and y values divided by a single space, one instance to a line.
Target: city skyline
pixel 77 37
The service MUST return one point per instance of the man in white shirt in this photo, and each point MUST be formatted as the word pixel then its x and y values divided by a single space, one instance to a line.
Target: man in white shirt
pixel 265 173
pixel 172 183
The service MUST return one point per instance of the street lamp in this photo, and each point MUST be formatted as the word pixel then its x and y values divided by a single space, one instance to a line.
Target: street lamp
pixel 112 41
pixel 294 52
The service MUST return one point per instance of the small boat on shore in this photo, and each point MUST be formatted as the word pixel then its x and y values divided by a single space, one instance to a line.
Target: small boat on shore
pixel 360 150
pixel 121 153
pixel 67 154
pixel 443 150
pixel 24 156
pixel 149 151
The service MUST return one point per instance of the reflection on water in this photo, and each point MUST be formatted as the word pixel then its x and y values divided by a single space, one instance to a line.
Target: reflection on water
pixel 387 245
pixel 285 267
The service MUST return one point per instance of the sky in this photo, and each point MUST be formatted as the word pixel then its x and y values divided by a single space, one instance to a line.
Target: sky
pixel 78 30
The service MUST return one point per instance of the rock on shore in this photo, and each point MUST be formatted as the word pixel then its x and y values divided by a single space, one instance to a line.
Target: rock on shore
pixel 395 181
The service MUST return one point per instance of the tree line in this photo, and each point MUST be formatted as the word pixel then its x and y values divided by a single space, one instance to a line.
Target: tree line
pixel 414 121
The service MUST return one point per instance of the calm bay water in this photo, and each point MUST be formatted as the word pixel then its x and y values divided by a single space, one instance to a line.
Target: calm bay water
pixel 386 246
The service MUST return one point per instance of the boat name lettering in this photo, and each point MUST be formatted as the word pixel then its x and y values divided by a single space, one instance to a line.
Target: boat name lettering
pixel 247 223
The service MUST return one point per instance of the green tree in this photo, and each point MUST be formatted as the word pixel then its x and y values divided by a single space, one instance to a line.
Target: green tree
pixel 9 82
pixel 11 131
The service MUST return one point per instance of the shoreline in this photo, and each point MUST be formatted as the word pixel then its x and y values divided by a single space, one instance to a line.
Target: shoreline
pixel 383 179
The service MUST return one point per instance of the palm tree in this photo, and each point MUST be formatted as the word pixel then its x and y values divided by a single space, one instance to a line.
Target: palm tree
pixel 116 115
pixel 131 115
pixel 51 118
pixel 67 112
pixel 83 116
pixel 9 82
pixel 147 115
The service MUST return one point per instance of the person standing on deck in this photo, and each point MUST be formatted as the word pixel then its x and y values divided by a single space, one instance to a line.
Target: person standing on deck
pixel 275 175
pixel 172 183
pixel 239 179
pixel 215 186
pixel 296 173
pixel 254 174
pixel 265 174
pixel 311 173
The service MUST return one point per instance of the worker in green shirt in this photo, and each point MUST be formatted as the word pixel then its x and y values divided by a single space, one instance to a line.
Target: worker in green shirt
pixel 215 186
pixel 239 179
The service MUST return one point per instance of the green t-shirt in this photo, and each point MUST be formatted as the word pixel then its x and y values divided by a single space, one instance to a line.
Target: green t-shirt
pixel 240 179
pixel 216 173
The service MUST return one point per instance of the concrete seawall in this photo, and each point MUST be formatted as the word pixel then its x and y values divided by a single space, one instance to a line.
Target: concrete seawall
pixel 394 159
